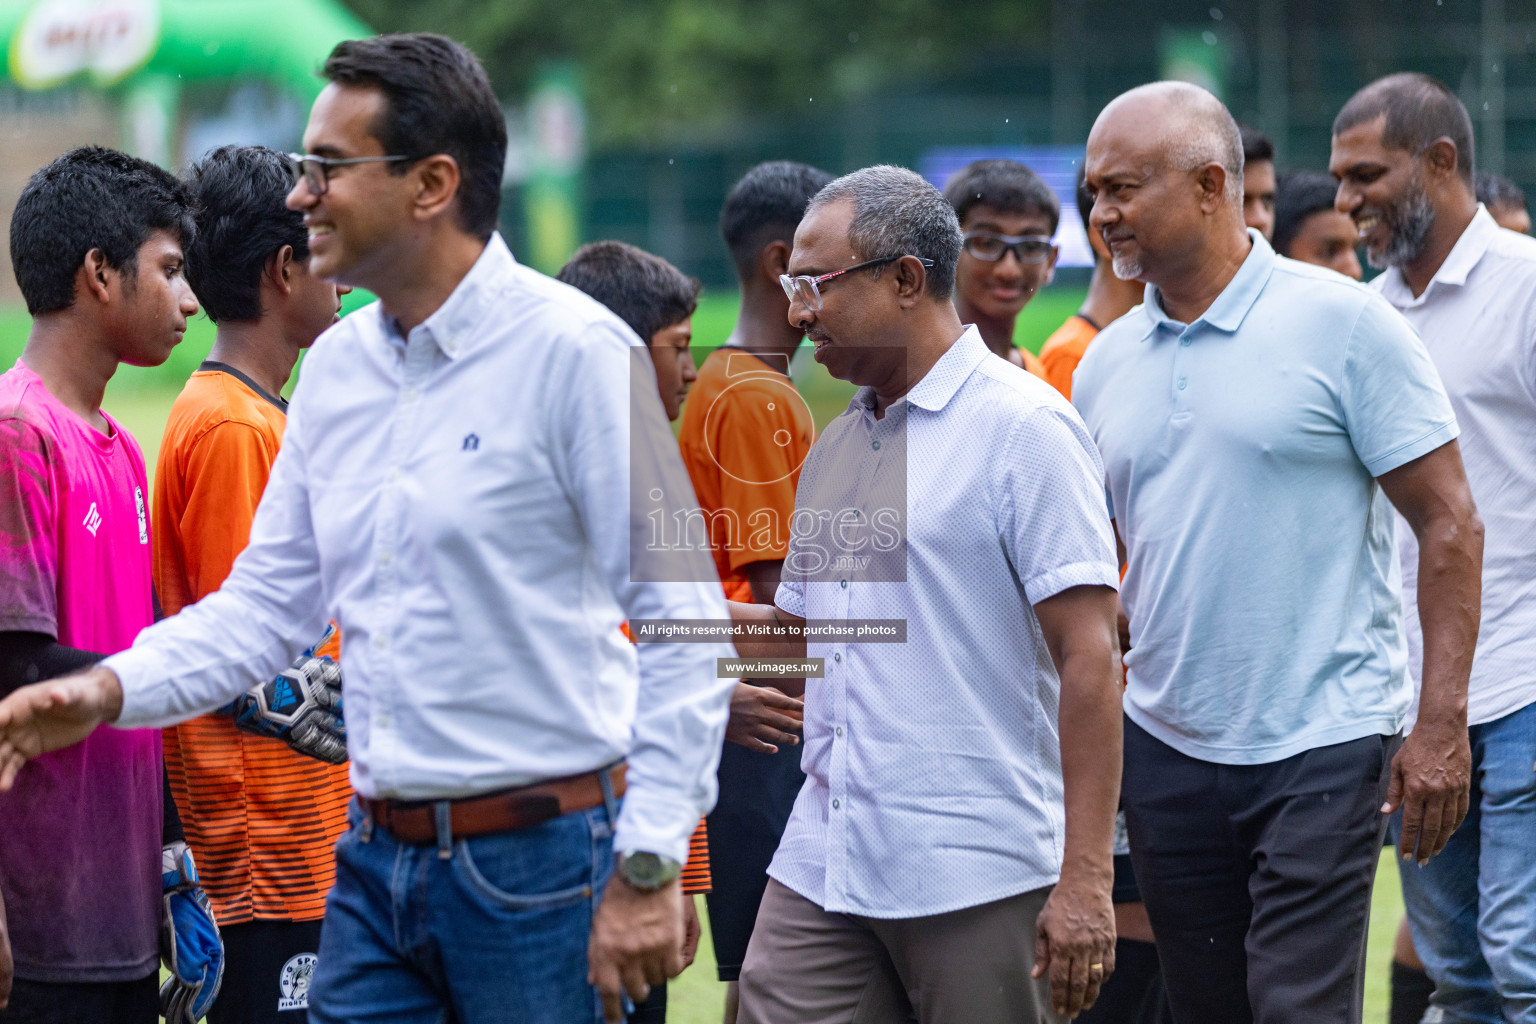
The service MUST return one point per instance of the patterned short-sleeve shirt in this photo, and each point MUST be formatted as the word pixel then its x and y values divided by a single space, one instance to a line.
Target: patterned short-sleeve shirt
pixel 933 766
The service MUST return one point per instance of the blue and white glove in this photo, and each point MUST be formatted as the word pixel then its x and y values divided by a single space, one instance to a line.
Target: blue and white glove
pixel 190 946
pixel 301 706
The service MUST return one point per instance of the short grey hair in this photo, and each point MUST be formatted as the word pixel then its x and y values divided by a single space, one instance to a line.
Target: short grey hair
pixel 896 212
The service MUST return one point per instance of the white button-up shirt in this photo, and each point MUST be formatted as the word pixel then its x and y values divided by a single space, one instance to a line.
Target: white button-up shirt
pixel 933 767
pixel 1478 320
pixel 459 501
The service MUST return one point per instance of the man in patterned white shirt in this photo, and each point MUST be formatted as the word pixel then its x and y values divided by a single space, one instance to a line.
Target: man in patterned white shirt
pixel 957 819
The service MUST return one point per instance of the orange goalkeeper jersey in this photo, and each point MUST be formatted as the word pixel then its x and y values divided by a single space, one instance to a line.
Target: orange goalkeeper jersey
pixel 261 818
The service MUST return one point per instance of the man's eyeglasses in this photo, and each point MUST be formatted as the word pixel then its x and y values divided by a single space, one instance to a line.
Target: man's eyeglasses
pixel 989 246
pixel 807 290
pixel 315 171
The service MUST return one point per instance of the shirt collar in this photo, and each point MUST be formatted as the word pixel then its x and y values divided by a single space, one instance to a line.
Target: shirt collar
pixel 452 326
pixel 1236 299
pixel 954 367
pixel 1464 255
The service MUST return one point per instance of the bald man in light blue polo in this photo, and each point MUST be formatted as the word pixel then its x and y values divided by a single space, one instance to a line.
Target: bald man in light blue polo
pixel 1259 419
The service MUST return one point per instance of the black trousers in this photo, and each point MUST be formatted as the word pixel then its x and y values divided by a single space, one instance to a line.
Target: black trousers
pixel 757 792
pixel 1257 878
pixel 267 967
pixel 1134 993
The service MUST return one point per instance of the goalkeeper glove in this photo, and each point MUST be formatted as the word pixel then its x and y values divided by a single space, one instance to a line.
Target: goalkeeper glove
pixel 301 706
pixel 190 946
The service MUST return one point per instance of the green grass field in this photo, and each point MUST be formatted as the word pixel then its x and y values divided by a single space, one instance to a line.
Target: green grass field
pixel 140 398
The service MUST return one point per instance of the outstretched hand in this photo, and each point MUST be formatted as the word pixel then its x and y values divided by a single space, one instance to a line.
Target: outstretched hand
pixel 58 713
pixel 763 719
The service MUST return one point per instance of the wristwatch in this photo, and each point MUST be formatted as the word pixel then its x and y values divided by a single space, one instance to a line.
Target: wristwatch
pixel 647 872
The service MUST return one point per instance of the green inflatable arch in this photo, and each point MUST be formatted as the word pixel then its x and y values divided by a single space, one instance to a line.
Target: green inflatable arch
pixel 51 43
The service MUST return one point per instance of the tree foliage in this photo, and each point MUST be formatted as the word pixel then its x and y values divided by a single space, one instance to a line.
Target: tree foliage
pixel 655 66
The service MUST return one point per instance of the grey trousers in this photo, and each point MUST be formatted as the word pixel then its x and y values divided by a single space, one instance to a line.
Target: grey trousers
pixel 807 966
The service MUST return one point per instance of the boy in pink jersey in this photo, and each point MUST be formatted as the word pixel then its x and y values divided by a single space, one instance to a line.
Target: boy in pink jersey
pixel 96 241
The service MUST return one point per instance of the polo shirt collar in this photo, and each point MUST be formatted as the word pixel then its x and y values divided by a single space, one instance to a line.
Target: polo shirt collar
pixel 1464 255
pixel 453 325
pixel 1236 299
pixel 954 367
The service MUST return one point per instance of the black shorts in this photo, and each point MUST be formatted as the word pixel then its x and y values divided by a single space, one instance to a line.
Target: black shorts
pixel 84 1002
pixel 267 969
pixel 757 792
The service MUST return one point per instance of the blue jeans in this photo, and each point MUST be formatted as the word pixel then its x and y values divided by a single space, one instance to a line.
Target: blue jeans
pixel 493 928
pixel 1472 910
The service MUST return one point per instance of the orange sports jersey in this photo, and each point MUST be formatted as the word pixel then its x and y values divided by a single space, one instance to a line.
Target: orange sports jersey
pixel 1032 363
pixel 262 819
pixel 696 876
pixel 745 433
pixel 1064 349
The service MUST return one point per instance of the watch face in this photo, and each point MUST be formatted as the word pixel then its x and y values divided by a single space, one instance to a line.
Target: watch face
pixel 648 871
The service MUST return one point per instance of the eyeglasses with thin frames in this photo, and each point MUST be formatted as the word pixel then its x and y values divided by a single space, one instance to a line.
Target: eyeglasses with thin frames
pixel 990 247
pixel 807 290
pixel 315 171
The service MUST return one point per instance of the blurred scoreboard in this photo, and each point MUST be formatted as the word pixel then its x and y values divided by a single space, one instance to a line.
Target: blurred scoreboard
pixel 1057 167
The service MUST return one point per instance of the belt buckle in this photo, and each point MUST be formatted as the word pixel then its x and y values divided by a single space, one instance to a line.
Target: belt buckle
pixel 540 807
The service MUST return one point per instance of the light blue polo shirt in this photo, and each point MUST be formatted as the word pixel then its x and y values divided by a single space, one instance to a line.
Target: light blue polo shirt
pixel 1241 451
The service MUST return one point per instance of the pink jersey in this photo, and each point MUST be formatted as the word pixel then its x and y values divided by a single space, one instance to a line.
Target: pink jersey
pixel 81 833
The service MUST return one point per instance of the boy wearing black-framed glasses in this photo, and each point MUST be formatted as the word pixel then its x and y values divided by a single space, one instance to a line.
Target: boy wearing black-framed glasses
pixel 1008 216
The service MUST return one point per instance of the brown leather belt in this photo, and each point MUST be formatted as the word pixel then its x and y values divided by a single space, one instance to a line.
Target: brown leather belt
pixel 415 822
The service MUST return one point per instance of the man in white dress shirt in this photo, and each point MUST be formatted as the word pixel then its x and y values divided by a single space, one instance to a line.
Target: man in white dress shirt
pixel 455 490
pixel 952 842
pixel 1402 151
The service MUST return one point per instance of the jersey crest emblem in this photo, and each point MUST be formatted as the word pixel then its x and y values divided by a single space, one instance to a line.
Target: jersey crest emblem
pixel 293 983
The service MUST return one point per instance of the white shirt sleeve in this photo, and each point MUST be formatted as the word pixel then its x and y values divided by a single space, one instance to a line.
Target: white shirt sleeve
pixel 1048 492
pixel 268 609
pixel 614 452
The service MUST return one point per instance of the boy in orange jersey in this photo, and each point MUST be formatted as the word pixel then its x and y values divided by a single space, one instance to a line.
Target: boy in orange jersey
pixel 657 301
pixel 1109 298
pixel 261 818
pixel 744 435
